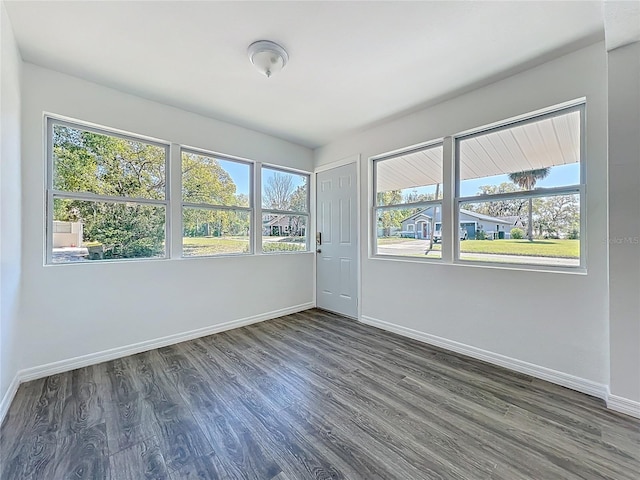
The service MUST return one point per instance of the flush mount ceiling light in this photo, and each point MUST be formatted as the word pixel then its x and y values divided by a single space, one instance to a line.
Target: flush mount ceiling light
pixel 268 57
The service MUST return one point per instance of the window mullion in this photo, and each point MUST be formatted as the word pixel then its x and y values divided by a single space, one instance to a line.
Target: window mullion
pixel 449 213
pixel 257 199
pixel 174 214
pixel 421 205
pixel 213 206
pixel 93 197
pixel 285 212
pixel 538 192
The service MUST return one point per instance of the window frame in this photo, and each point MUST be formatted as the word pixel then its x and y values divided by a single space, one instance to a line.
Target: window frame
pixel 579 189
pixel 373 244
pixel 52 194
pixel 172 202
pixel 306 213
pixel 210 206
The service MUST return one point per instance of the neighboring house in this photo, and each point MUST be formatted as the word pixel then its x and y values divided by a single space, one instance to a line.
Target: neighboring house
pixel 420 223
pixel 282 226
pixel 417 225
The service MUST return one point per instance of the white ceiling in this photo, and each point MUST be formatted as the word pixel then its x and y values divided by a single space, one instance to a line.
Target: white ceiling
pixel 351 64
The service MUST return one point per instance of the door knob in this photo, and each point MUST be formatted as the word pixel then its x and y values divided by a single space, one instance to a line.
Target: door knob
pixel 319 251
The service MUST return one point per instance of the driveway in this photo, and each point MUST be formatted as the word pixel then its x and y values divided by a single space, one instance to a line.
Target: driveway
pixel 69 254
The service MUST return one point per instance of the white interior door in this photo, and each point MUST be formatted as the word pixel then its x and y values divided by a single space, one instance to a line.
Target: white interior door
pixel 336 244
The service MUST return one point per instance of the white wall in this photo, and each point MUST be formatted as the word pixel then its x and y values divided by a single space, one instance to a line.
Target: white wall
pixel 10 238
pixel 74 310
pixel 624 218
pixel 554 320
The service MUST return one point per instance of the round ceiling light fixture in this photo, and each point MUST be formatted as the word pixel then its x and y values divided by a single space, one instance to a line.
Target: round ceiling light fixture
pixel 268 57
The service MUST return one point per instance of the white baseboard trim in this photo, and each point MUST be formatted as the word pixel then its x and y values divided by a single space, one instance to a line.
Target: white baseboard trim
pixel 623 405
pixel 118 352
pixel 564 379
pixel 8 397
pixel 61 366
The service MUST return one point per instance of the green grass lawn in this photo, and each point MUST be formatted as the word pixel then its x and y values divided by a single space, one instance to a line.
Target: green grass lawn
pixel 196 246
pixel 201 246
pixel 537 248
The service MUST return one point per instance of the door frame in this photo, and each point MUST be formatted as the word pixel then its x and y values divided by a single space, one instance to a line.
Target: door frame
pixel 356 159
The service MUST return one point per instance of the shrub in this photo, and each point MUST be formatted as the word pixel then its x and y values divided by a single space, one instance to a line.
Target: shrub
pixel 282 247
pixel 574 234
pixel 480 235
pixel 517 233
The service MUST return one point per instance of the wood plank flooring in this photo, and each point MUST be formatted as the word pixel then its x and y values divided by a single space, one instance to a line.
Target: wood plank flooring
pixel 310 396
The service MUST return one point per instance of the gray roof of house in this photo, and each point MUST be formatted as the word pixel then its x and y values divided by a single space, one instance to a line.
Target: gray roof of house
pixel 487 218
pixel 479 216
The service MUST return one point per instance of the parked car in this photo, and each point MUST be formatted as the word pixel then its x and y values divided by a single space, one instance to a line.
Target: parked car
pixel 437 235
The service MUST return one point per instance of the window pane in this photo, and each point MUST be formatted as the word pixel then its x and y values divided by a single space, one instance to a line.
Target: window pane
pixel 106 165
pixel 215 232
pixel 106 231
pixel 499 231
pixel 408 232
pixel 544 153
pixel 284 190
pixel 414 177
pixel 214 181
pixel 284 233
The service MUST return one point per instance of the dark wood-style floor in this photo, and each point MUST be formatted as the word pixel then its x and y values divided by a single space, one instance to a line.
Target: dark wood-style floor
pixel 310 396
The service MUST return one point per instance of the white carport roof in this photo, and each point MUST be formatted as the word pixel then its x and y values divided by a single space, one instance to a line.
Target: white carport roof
pixel 548 142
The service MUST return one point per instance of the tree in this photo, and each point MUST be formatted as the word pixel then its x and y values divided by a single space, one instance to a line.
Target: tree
pixel 280 193
pixel 391 218
pixel 106 165
pixel 277 191
pixel 557 215
pixel 414 196
pixel 390 197
pixel 113 166
pixel 205 181
pixel 298 203
pixel 515 207
pixel 527 181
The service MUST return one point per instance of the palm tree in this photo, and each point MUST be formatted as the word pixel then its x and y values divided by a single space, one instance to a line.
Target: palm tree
pixel 527 181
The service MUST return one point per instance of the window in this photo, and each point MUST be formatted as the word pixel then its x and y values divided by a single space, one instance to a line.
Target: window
pixel 107 195
pixel 285 210
pixel 216 205
pixel 108 199
pixel 408 202
pixel 519 191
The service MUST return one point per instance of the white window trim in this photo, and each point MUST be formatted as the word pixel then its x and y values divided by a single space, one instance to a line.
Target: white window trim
pixel 212 206
pixel 450 201
pixel 293 213
pixel 172 202
pixel 576 189
pixel 52 194
pixel 373 161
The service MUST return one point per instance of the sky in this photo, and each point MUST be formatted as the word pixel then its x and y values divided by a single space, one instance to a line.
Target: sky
pixel 239 173
pixel 559 176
